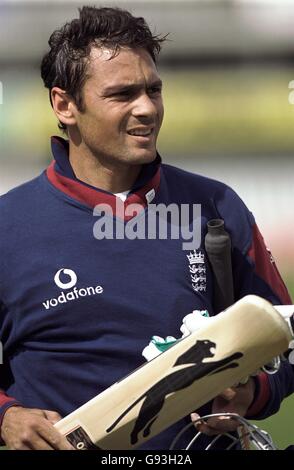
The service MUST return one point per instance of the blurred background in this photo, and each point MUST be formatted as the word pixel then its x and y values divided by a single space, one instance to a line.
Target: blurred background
pixel 228 70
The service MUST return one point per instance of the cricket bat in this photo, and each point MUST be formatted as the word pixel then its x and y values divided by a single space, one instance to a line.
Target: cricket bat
pixel 193 371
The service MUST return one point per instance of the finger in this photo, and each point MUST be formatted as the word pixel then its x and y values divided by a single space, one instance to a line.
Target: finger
pixel 219 425
pixel 19 446
pixel 228 394
pixel 39 444
pixel 28 440
pixel 52 416
pixel 222 424
pixel 216 428
pixel 204 428
pixel 194 417
pixel 64 444
pixel 54 438
pixel 200 425
pixel 36 411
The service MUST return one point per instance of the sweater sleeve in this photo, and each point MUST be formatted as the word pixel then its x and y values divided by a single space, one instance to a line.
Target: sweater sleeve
pixel 6 401
pixel 255 272
pixel 265 277
pixel 272 390
pixel 267 282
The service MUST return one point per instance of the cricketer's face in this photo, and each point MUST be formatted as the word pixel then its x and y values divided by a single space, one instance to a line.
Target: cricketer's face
pixel 123 107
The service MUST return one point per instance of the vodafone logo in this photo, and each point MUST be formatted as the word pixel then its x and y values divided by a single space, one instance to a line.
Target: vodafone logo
pixel 67 273
pixel 66 279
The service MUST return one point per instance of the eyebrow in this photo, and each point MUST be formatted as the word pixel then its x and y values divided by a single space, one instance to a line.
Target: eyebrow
pixel 129 87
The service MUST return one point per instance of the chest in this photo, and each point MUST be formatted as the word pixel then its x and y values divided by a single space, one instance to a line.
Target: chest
pixel 68 283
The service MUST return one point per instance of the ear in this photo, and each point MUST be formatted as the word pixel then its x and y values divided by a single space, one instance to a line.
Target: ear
pixel 64 106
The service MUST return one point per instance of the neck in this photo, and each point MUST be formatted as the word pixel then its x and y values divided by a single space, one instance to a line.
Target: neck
pixel 111 177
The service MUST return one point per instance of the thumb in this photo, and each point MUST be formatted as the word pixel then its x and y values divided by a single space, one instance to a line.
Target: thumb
pixel 228 394
pixel 194 417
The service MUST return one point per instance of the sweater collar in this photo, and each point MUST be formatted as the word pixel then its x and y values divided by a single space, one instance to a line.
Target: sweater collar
pixel 61 175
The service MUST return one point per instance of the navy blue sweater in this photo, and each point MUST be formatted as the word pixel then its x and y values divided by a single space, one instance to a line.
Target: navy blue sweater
pixel 76 311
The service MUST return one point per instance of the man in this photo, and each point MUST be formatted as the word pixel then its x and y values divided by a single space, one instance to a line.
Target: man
pixel 77 309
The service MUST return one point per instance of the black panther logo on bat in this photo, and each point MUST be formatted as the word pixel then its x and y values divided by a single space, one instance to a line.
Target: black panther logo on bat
pixel 154 397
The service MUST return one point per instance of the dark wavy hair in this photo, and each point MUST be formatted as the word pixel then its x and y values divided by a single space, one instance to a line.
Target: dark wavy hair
pixel 65 65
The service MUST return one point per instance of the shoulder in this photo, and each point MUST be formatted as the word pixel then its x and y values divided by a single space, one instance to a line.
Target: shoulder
pixel 20 202
pixel 200 187
pixel 193 180
pixel 217 199
pixel 21 190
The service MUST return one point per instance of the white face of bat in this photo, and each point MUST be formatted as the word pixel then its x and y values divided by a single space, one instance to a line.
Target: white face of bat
pixel 182 379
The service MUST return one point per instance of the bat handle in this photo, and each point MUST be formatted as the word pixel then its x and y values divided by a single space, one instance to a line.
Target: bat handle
pixel 218 248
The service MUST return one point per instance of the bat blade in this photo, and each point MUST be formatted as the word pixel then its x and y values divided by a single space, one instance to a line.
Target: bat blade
pixel 189 374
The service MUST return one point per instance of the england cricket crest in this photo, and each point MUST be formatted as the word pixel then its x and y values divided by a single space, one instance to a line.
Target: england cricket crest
pixel 197 270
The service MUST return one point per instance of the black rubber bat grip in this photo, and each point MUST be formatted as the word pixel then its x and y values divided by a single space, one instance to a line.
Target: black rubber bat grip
pixel 218 249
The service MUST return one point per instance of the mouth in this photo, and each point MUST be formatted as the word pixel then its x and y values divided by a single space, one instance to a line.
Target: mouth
pixel 142 134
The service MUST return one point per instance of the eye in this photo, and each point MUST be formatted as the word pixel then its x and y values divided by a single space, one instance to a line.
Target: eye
pixel 155 90
pixel 122 95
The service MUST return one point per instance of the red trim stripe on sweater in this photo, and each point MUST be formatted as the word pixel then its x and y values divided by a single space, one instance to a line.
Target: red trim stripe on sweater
pixel 266 268
pixel 93 197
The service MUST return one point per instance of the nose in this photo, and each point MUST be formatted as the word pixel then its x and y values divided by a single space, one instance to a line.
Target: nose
pixel 144 106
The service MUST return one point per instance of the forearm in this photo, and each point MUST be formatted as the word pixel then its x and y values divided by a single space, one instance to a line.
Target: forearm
pixel 6 402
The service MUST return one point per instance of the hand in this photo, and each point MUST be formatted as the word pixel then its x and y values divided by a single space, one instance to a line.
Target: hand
pixel 232 400
pixel 32 429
